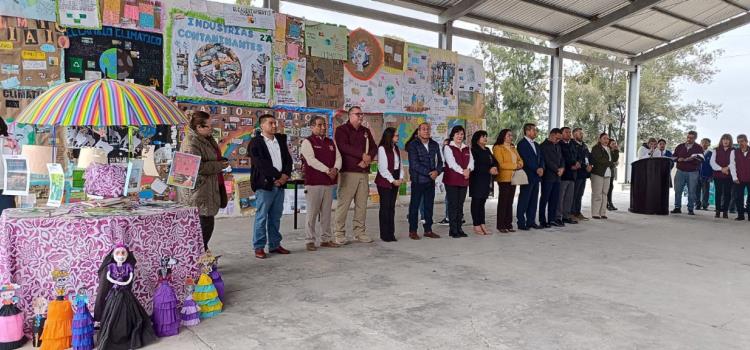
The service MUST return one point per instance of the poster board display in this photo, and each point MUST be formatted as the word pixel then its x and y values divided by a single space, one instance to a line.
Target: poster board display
pixel 115 53
pixel 184 170
pixel 31 53
pixel 208 60
pixel 17 177
pixel 134 14
pixel 56 184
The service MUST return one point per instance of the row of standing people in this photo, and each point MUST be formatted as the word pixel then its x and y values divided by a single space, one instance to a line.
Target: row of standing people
pixel 346 161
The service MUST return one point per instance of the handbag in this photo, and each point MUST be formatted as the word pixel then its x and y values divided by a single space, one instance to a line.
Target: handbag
pixel 519 176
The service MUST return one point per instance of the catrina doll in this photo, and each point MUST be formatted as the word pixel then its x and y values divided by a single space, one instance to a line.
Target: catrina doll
pixel 83 323
pixel 166 317
pixel 205 294
pixel 39 306
pixel 57 333
pixel 216 278
pixel 124 324
pixel 190 310
pixel 11 319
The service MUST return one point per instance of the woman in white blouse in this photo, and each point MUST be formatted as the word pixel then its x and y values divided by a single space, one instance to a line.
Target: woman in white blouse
pixel 458 166
pixel 649 150
pixel 389 179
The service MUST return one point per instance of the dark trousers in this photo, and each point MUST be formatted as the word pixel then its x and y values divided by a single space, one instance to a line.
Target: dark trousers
pixel 456 197
pixel 387 213
pixel 477 210
pixel 580 188
pixel 609 193
pixel 528 198
pixel 742 207
pixel 421 192
pixel 505 205
pixel 723 194
pixel 207 228
pixel 549 201
pixel 706 192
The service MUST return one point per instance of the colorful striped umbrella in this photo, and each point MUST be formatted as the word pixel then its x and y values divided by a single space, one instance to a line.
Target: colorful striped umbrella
pixel 103 102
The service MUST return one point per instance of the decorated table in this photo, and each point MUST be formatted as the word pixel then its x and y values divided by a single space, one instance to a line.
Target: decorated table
pixel 33 242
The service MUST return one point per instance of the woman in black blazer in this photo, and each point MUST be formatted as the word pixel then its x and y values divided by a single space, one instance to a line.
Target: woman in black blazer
pixel 480 180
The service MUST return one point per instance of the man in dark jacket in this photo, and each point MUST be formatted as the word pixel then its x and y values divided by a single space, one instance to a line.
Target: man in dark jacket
pixel 568 180
pixel 425 165
pixel 533 166
pixel 583 173
pixel 271 169
pixel 554 167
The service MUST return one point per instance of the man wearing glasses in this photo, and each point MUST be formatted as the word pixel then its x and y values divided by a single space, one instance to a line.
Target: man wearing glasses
pixel 358 148
pixel 321 161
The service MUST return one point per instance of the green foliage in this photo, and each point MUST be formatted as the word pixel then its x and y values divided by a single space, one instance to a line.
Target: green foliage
pixel 516 89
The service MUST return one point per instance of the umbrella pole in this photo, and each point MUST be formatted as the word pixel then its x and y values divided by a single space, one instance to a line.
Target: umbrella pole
pixel 54 143
pixel 130 141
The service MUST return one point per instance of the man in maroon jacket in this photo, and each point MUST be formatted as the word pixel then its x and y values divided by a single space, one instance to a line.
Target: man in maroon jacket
pixel 740 169
pixel 689 159
pixel 322 162
pixel 358 148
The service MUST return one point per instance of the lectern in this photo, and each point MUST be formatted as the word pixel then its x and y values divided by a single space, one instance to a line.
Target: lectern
pixel 649 186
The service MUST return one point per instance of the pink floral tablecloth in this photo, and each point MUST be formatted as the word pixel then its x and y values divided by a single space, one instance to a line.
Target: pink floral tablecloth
pixel 30 248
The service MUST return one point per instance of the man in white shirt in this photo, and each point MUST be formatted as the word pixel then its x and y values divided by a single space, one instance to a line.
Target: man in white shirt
pixel 321 161
pixel 271 169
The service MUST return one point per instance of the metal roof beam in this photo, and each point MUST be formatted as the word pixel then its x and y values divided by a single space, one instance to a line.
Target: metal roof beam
pixel 666 12
pixel 370 13
pixel 693 38
pixel 457 11
pixel 599 23
pixel 607 48
pixel 640 33
pixel 737 5
pixel 516 44
pixel 596 61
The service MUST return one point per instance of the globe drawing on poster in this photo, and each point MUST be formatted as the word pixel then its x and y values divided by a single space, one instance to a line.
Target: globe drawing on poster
pixel 217 69
pixel 416 79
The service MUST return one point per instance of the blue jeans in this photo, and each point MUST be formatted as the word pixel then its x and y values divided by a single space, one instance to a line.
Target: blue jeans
pixel 421 195
pixel 682 179
pixel 270 205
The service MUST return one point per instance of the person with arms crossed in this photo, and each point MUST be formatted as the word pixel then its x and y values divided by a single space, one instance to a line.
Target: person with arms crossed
pixel 425 165
pixel 358 148
pixel 321 162
pixel 272 168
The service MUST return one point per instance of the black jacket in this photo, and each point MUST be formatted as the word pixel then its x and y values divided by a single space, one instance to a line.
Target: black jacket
pixel 570 156
pixel 584 156
pixel 263 173
pixel 553 160
pixel 480 180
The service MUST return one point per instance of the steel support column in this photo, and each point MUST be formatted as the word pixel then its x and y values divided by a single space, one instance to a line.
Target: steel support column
pixel 271 4
pixel 445 37
pixel 555 90
pixel 631 144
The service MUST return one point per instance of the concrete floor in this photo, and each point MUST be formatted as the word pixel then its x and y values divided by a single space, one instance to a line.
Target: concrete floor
pixel 631 282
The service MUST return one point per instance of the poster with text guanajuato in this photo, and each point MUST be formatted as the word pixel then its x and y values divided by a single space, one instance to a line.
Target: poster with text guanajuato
pixel 207 60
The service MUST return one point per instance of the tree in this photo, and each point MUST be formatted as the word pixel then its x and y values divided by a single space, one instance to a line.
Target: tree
pixel 595 96
pixel 516 90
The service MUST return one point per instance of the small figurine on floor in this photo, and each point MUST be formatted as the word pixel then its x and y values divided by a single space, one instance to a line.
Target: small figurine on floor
pixel 124 324
pixel 216 278
pixel 11 319
pixel 166 317
pixel 190 310
pixel 39 306
pixel 57 333
pixel 83 323
pixel 205 294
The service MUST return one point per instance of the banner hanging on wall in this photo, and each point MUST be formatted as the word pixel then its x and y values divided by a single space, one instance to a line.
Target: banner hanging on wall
pixel 443 81
pixel 30 53
pixel 247 16
pixel 289 81
pixel 325 40
pixel 325 83
pixel 470 74
pixel 365 54
pixel 382 93
pixel 417 91
pixel 83 14
pixel 115 53
pixel 31 9
pixel 134 14
pixel 209 60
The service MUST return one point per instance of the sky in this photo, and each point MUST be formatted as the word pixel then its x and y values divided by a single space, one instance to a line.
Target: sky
pixel 727 88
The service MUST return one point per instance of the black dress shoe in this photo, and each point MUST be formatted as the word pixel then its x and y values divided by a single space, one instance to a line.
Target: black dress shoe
pixel 462 234
pixel 534 226
pixel 725 216
pixel 523 228
pixel 558 223
pixel 717 215
pixel 690 212
pixel 676 211
pixel 740 218
pixel 545 225
pixel 570 221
